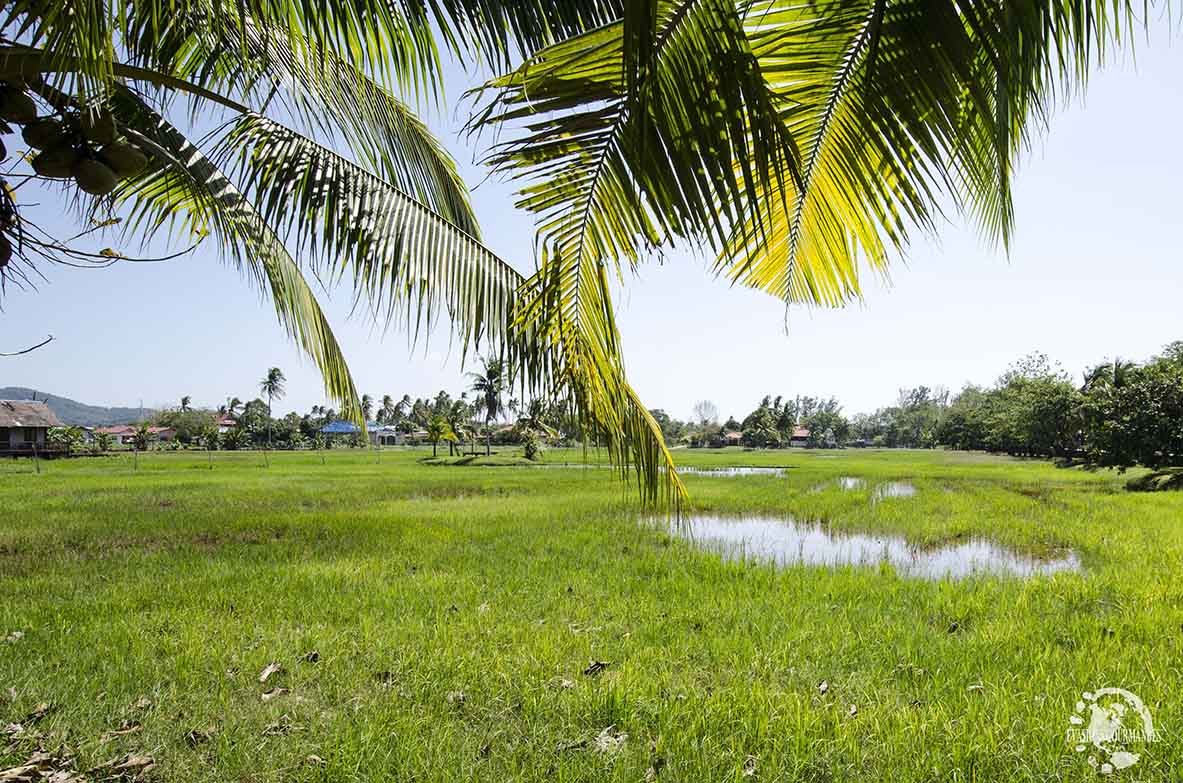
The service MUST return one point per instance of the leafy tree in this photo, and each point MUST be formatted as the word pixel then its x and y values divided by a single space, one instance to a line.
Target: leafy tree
pixel 234 439
pixel 1139 420
pixel 273 385
pixel 68 439
pixel 965 422
pixel 759 428
pixel 103 441
pixel 142 437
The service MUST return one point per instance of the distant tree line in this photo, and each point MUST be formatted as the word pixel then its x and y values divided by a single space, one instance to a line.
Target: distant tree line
pixel 1121 414
pixel 486 411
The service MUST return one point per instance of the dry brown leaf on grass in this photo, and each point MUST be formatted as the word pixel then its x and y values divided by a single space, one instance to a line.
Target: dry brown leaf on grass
pixel 126 727
pixel 14 637
pixel 312 656
pixel 314 760
pixel 42 767
pixel 132 767
pixel 272 668
pixel 142 703
pixel 456 698
pixel 750 767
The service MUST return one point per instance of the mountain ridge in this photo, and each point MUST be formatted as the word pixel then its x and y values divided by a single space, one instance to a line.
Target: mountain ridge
pixel 75 412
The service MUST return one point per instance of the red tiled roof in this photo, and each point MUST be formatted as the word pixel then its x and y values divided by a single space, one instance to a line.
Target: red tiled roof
pixel 800 432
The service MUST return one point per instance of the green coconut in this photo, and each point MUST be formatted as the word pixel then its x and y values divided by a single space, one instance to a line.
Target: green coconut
pixel 98 126
pixel 124 159
pixel 5 251
pixel 43 132
pixel 94 177
pixel 16 106
pixel 56 162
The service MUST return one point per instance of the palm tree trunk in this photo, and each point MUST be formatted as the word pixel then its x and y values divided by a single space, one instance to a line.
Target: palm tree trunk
pixel 488 438
pixel 269 421
pixel 434 445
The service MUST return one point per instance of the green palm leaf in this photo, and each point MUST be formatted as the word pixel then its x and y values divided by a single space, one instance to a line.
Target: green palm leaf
pixel 186 193
pixel 840 127
pixel 401 258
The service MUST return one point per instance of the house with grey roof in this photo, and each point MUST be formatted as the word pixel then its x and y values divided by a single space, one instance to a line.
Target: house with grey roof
pixel 23 426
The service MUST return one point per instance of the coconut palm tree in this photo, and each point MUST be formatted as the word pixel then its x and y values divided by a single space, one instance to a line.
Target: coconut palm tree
pixel 387 214
pixel 458 416
pixel 367 407
pixel 805 143
pixel 185 403
pixel 489 387
pixel 232 406
pixel 386 414
pixel 273 385
pixel 437 430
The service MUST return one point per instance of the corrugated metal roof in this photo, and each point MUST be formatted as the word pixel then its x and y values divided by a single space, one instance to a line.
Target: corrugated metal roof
pixel 340 428
pixel 27 413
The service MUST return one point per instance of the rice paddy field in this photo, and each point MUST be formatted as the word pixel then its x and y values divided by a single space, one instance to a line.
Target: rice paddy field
pixel 362 616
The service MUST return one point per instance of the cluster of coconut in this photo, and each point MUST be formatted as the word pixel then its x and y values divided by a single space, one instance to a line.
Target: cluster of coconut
pixel 84 146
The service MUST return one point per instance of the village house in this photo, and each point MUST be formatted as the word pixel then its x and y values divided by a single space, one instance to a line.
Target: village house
pixel 800 437
pixel 125 434
pixel 23 426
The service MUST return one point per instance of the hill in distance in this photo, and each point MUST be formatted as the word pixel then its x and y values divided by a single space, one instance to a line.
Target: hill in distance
pixel 74 412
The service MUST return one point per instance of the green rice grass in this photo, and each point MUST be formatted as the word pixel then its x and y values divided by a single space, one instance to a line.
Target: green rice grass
pixel 454 611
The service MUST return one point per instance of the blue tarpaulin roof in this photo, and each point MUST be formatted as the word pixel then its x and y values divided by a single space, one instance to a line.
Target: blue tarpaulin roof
pixel 340 428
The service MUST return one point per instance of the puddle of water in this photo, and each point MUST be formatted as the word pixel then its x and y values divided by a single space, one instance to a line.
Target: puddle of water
pixel 850 483
pixel 788 542
pixel 732 471
pixel 894 489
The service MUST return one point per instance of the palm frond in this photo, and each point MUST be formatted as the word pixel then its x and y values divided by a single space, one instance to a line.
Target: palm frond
pixel 185 193
pixel 900 106
pixel 323 91
pixel 401 258
pixel 804 140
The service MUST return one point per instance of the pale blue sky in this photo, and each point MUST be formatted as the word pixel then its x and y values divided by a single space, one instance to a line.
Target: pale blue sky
pixel 1094 271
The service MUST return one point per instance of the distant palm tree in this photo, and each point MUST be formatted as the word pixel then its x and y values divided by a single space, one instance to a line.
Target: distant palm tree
pixel 437 430
pixel 1112 374
pixel 232 406
pixel 185 403
pixel 367 406
pixel 273 386
pixel 458 417
pixel 387 412
pixel 489 385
